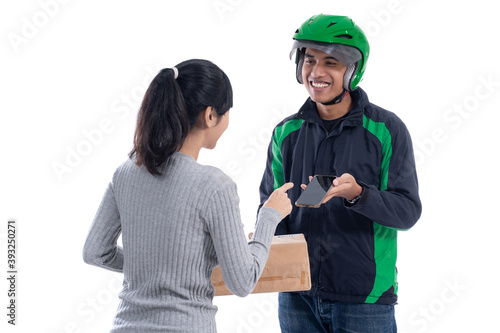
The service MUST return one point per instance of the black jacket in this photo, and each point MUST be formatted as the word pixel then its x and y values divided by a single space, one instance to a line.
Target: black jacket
pixel 352 248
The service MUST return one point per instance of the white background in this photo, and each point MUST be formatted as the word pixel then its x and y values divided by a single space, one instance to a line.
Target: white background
pixel 72 75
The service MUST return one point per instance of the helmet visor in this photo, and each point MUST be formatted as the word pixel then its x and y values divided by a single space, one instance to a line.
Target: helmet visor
pixel 347 55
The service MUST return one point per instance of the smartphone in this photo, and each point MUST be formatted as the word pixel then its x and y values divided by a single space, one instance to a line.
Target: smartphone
pixel 315 192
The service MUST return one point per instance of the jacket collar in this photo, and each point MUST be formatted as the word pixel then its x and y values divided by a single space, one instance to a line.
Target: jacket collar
pixel 309 111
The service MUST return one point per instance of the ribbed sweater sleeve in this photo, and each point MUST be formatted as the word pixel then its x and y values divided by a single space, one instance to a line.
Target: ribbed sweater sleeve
pixel 241 263
pixel 101 247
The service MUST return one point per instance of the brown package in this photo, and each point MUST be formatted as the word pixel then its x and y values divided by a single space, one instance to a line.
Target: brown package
pixel 287 268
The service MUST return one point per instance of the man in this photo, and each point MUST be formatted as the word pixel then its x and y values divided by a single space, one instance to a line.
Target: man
pixel 352 236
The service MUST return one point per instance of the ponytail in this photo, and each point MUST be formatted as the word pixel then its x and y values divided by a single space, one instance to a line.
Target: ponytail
pixel 171 106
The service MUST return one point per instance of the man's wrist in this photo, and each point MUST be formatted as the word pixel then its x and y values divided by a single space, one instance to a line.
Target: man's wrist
pixel 355 199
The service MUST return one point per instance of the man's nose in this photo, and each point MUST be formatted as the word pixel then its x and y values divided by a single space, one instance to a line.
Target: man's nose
pixel 318 71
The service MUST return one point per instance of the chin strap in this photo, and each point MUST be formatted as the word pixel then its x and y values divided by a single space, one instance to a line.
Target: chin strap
pixel 338 99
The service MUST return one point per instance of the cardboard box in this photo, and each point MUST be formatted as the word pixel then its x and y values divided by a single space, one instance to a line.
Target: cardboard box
pixel 286 269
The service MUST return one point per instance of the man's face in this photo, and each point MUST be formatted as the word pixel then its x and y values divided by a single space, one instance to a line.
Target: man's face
pixel 322 75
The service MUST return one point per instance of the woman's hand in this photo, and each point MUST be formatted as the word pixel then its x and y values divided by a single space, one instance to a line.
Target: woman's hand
pixel 279 200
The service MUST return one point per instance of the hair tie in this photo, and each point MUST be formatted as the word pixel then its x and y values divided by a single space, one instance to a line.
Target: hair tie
pixel 176 72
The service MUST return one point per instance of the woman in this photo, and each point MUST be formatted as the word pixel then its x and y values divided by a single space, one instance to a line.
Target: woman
pixel 178 219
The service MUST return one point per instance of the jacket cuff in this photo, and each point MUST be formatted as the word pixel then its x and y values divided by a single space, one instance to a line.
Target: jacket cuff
pixel 365 193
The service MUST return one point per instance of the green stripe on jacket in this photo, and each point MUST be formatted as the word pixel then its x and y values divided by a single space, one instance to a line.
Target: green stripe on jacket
pixel 385 239
pixel 280 133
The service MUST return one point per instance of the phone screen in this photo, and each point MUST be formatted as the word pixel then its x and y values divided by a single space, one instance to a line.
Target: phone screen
pixel 315 191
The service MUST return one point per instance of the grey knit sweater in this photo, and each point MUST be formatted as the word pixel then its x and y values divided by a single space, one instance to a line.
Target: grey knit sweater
pixel 175 230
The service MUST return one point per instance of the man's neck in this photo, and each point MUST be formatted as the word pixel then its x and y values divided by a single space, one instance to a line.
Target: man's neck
pixel 335 111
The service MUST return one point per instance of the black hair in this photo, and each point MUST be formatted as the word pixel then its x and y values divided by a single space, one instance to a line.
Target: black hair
pixel 171 107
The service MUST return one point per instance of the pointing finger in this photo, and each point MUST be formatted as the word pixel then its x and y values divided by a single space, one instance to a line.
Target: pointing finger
pixel 286 187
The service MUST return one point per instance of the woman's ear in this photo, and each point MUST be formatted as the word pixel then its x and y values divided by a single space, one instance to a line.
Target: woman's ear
pixel 210 117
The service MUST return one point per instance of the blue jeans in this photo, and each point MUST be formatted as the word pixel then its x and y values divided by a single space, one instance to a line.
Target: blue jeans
pixel 299 314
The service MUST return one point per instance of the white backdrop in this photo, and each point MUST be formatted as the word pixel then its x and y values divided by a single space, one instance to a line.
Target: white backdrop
pixel 73 73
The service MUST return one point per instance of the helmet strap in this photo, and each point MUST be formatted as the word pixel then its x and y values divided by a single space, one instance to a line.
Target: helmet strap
pixel 337 99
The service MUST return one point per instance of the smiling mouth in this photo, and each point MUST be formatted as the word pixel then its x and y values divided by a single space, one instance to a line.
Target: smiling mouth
pixel 319 84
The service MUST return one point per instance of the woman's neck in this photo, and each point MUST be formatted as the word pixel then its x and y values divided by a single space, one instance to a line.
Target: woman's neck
pixel 192 145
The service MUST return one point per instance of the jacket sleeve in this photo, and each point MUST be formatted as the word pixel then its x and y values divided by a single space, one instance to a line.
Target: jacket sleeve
pixel 394 202
pixel 101 247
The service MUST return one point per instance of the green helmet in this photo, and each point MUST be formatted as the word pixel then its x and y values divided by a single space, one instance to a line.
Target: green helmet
pixel 338 36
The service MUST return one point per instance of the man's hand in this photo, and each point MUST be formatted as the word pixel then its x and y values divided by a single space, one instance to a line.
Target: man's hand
pixel 344 186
